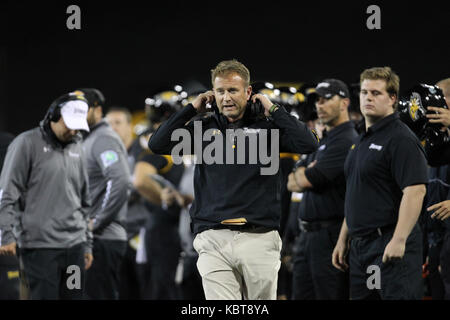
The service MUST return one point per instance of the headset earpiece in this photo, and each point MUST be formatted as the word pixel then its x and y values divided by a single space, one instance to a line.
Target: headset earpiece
pixel 54 111
pixel 254 109
pixel 56 114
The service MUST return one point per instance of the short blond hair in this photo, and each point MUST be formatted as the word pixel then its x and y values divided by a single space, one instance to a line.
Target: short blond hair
pixel 388 75
pixel 231 66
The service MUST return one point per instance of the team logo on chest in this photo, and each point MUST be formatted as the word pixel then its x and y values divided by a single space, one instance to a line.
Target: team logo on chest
pixel 376 147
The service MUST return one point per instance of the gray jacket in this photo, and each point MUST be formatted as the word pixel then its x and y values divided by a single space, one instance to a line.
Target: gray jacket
pixel 109 181
pixel 44 196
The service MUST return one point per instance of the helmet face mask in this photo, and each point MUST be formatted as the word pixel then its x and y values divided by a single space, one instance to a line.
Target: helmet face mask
pixel 162 105
pixel 414 107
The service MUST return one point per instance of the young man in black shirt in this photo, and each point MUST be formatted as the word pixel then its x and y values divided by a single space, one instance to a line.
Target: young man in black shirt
pixel 321 179
pixel 236 211
pixel 386 173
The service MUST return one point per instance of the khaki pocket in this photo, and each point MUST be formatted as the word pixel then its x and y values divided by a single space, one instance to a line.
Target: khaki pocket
pixel 277 240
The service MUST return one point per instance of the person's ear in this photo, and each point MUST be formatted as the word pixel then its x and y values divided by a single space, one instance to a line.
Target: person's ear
pixel 249 92
pixel 98 112
pixel 345 103
pixel 393 98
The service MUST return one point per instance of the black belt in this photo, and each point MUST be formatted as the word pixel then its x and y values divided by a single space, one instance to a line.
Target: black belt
pixel 245 228
pixel 375 233
pixel 306 226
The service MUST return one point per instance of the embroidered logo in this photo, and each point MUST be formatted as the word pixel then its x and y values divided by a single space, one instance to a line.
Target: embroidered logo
pixel 74 155
pixel 251 130
pixel 109 157
pixel 376 147
pixel 323 84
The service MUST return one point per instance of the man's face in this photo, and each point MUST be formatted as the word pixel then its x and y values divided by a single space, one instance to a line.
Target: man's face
pixel 328 110
pixel 120 124
pixel 61 131
pixel 375 101
pixel 231 95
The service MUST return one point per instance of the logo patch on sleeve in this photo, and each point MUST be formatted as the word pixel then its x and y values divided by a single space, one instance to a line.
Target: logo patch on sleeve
pixel 109 157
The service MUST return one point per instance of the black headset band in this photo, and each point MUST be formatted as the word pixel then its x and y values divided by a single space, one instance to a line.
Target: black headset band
pixel 54 111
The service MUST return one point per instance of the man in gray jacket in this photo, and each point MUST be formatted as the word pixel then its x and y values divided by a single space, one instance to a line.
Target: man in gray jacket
pixel 109 185
pixel 44 202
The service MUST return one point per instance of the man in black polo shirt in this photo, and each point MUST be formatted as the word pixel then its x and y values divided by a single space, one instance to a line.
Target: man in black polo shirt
pixel 321 179
pixel 386 173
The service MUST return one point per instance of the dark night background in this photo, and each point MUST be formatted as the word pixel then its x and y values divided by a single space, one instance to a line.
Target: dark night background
pixel 132 49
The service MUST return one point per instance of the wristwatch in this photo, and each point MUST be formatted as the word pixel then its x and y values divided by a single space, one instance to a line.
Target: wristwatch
pixel 274 108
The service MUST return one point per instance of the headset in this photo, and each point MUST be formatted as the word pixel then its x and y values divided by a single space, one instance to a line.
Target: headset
pixel 253 110
pixel 54 111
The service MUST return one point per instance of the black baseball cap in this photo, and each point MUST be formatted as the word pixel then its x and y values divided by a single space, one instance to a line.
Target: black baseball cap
pixel 331 87
pixel 94 97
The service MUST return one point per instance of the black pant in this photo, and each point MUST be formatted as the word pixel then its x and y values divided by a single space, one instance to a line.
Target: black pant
pixel 54 273
pixel 399 280
pixel 314 276
pixel 130 278
pixel 191 287
pixel 445 264
pixel 163 252
pixel 434 276
pixel 9 278
pixel 102 279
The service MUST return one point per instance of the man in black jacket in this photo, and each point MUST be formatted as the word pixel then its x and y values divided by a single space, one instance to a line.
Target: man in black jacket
pixel 236 211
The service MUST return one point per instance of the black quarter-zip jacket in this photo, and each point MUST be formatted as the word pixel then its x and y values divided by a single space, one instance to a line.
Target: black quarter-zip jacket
pixel 228 191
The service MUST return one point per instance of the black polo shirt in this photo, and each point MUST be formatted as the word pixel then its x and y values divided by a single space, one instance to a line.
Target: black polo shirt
pixel 385 160
pixel 325 201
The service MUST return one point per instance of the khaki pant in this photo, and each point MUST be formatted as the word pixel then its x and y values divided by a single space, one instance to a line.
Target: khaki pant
pixel 236 264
